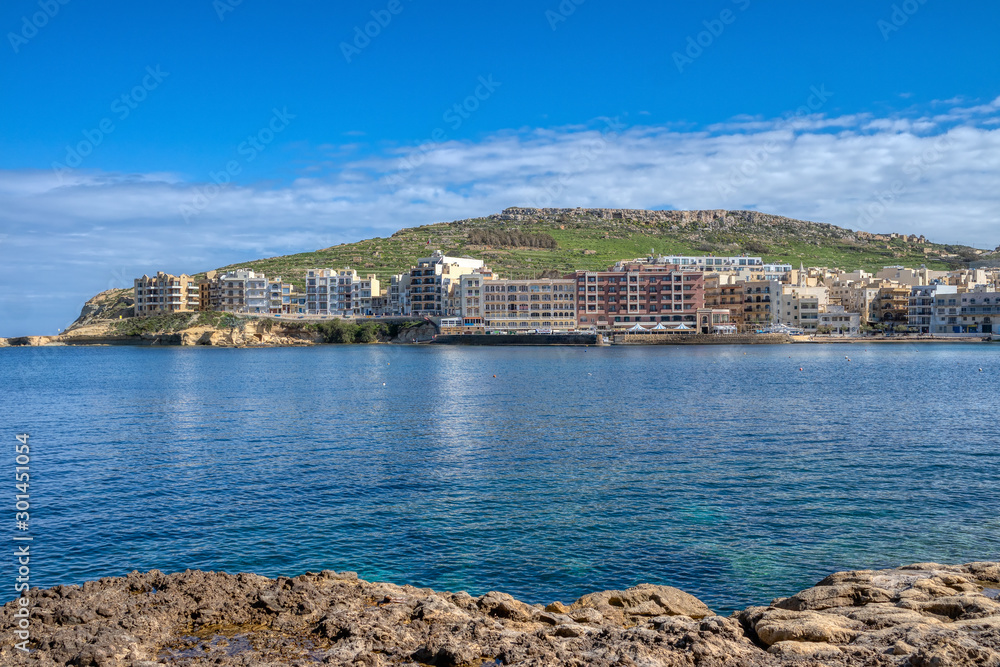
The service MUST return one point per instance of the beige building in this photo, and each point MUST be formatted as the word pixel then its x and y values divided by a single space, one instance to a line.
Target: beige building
pixel 468 296
pixel 365 291
pixel 165 293
pixel 239 291
pixel 760 303
pixel 910 277
pixel 800 307
pixel 725 291
pixel 522 305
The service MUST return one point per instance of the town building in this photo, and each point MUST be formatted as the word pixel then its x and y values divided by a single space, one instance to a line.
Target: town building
pixel 237 291
pixel 257 293
pixel 921 312
pixel 760 299
pixel 910 277
pixel 398 296
pixel 165 293
pixel 471 296
pixel 284 299
pixel 364 292
pixel 724 290
pixel 892 305
pixel 432 281
pixel 799 307
pixel 837 320
pixel 523 305
pixel 331 292
pixel 714 321
pixel 980 310
pixel 630 293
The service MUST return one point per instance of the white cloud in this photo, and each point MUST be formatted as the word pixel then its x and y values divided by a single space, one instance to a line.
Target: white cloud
pixel 932 175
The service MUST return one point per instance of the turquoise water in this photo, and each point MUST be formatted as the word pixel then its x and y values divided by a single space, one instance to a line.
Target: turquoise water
pixel 725 471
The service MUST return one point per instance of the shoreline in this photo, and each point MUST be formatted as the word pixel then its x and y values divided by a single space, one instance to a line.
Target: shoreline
pixel 521 340
pixel 922 614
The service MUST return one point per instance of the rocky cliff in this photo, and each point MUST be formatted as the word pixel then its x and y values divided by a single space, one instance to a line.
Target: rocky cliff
pixel 917 616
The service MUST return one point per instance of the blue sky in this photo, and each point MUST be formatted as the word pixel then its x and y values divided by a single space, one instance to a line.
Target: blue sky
pixel 116 118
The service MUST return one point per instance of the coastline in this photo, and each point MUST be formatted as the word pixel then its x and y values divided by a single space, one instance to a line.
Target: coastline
pixel 917 615
pixel 215 338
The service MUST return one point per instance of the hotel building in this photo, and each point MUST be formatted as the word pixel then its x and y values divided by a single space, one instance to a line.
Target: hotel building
pixel 638 292
pixel 165 293
pixel 522 305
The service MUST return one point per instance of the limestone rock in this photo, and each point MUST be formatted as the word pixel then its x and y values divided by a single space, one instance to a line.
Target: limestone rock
pixel 935 615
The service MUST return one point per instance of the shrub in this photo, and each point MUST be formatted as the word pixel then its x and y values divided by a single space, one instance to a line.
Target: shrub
pixel 513 239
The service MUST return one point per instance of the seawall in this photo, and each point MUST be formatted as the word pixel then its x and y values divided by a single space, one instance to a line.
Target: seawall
pixel 699 339
pixel 518 339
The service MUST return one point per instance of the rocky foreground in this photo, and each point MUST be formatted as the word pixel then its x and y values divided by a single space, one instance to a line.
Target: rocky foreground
pixel 920 615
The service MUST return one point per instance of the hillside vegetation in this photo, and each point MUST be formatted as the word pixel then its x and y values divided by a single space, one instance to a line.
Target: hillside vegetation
pixel 532 242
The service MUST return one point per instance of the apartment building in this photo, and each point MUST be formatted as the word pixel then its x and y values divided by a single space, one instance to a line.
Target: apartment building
pixel 910 277
pixel 257 293
pixel 892 305
pixel 398 296
pixel 921 311
pixel 284 299
pixel 432 281
pixel 980 310
pixel 630 293
pixel 522 305
pixel 364 293
pixel 725 291
pixel 837 319
pixel 165 293
pixel 331 292
pixel 237 291
pixel 705 262
pixel 760 300
pixel 471 296
pixel 800 307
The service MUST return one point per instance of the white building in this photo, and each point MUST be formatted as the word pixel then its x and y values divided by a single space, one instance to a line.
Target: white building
pixel 923 312
pixel 980 310
pixel 432 281
pixel 238 291
pixel 839 321
pixel 331 292
pixel 399 303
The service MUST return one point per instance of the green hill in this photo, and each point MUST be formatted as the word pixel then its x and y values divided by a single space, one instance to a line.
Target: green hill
pixel 596 238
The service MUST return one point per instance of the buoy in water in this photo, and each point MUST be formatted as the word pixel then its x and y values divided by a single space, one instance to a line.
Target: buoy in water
pixel 800 369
